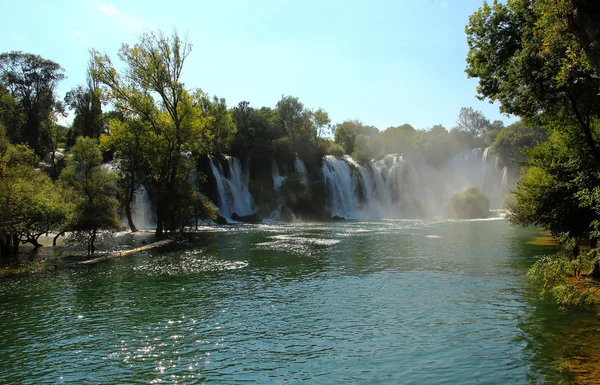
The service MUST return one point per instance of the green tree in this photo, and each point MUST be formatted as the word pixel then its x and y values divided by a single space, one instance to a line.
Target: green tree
pixel 30 204
pixel 220 127
pixel 291 113
pixel 91 189
pixel 129 141
pixel 473 122
pixel 322 123
pixel 85 102
pixel 514 139
pixel 149 88
pixel 525 58
pixel 32 81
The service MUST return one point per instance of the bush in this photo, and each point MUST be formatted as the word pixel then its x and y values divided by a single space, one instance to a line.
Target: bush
pixel 472 203
pixel 336 150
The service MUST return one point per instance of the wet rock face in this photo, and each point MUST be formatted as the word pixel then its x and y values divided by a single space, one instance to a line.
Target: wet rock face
pixel 252 218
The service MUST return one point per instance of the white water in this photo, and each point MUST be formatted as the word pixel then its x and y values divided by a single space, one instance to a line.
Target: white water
pixel 277 178
pixel 142 215
pixel 338 177
pixel 301 169
pixel 394 187
pixel 234 196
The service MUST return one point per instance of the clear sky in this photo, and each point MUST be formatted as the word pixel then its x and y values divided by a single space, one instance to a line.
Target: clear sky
pixel 385 62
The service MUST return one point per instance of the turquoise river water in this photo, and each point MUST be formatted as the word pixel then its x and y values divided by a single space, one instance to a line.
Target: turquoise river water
pixel 381 302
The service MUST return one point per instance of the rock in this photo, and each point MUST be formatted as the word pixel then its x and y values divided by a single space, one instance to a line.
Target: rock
pixel 220 220
pixel 337 218
pixel 286 215
pixel 252 218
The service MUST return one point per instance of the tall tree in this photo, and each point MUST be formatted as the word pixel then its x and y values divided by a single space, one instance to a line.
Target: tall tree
pixel 291 113
pixel 32 81
pixel 85 102
pixel 525 58
pixel 149 88
pixel 472 121
pixel 220 127
pixel 30 204
pixel 91 189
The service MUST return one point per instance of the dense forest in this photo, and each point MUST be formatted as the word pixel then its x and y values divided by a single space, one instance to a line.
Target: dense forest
pixel 142 126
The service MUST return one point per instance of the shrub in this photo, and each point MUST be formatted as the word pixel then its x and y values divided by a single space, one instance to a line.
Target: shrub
pixel 472 203
pixel 336 150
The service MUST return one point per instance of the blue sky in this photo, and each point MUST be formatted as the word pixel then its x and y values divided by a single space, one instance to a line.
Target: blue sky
pixel 384 62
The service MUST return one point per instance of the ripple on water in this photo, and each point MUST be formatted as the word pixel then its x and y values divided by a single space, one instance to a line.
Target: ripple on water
pixel 187 262
pixel 381 304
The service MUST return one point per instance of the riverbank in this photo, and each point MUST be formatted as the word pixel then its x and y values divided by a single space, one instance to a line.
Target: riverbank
pixel 49 258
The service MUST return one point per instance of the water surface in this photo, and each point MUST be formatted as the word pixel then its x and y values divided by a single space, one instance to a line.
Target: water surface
pixel 383 302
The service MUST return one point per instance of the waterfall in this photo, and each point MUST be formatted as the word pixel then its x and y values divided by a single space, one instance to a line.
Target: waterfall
pixel 394 187
pixel 234 196
pixel 277 179
pixel 301 169
pixel 504 184
pixel 337 176
pixel 143 216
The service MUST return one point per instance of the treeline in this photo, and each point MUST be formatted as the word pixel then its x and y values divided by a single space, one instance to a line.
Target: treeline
pixel 538 59
pixel 141 126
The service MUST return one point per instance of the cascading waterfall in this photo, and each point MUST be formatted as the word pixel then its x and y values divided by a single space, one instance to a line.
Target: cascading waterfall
pixel 338 177
pixel 234 196
pixel 301 169
pixel 142 215
pixel 277 178
pixel 394 187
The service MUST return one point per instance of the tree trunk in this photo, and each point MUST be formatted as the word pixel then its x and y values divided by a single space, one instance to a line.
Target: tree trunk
pixel 159 219
pixel 130 217
pixel 91 247
pixel 55 238
pixel 130 198
pixel 595 272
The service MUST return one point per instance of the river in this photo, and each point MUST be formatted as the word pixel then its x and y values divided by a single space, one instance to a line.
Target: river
pixel 378 302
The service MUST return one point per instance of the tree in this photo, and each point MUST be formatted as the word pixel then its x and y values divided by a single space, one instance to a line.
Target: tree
pixel 91 189
pixel 30 204
pixel 149 88
pixel 346 132
pixel 472 121
pixel 514 139
pixel 129 141
pixel 291 113
pixel 32 81
pixel 85 102
pixel 220 127
pixel 525 58
pixel 321 122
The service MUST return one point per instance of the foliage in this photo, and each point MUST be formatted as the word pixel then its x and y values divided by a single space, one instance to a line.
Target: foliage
pixel 220 127
pixel 336 150
pixel 31 80
pixel 511 141
pixel 346 133
pixel 91 189
pixel 30 203
pixel 149 89
pixel 525 58
pixel 85 102
pixel 472 203
pixel 551 273
pixel 473 122
pixel 548 192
